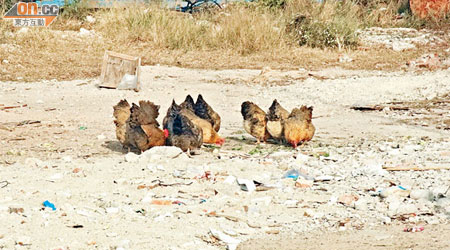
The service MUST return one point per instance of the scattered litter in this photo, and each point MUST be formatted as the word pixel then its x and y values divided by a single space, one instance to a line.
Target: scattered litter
pixel 414 229
pixel 49 204
pixel 429 61
pixel 82 128
pixel 77 226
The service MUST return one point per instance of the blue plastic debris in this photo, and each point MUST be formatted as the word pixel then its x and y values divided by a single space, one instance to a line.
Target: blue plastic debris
pixel 293 174
pixel 49 204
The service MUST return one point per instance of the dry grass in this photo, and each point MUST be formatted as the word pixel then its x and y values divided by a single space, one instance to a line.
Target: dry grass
pixel 241 36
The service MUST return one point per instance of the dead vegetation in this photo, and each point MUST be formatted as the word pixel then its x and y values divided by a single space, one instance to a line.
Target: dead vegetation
pixel 284 34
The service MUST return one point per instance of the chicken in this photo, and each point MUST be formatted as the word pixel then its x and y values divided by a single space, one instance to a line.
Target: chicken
pixel 298 126
pixel 276 115
pixel 210 136
pixel 204 111
pixel 255 121
pixel 182 132
pixel 137 126
pixel 122 113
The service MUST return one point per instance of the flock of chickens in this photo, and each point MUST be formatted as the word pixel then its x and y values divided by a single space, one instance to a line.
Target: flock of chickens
pixel 191 124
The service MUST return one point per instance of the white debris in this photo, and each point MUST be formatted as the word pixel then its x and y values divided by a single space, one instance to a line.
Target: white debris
pixel 231 242
pixel 246 185
pixel 90 19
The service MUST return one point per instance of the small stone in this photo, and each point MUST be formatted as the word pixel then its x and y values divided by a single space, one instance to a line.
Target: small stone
pixel 361 204
pixel 348 199
pixel 230 179
pixel 23 241
pixel 131 157
pixel 395 191
pixel 112 210
pixel 401 46
pixel 23 30
pixel 90 19
pixel 302 183
pixel 421 194
pixel 67 159
pixel 161 153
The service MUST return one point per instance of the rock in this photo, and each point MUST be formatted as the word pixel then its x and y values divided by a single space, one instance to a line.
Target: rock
pixel 90 19
pixel 67 159
pixel 348 199
pixel 112 210
pixel 262 201
pixel 345 58
pixel 23 30
pixel 161 153
pixel 131 157
pixel 401 46
pixel 281 155
pixel 301 159
pixel 394 191
pixel 34 162
pixel 23 241
pixel 230 179
pixel 302 183
pixel 55 177
pixel 361 204
pixel 421 194
pixel 443 205
pixel 406 209
pixel 84 32
pixel 394 204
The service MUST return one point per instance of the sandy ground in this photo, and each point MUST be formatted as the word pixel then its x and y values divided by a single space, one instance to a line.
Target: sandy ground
pixel 71 158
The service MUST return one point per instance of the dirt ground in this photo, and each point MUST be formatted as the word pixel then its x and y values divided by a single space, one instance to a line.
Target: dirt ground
pixel 58 144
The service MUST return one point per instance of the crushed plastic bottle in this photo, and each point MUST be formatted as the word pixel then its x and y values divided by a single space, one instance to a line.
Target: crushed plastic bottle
pixel 49 204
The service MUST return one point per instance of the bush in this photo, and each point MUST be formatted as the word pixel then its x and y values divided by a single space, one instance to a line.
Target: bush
pixel 273 3
pixel 331 24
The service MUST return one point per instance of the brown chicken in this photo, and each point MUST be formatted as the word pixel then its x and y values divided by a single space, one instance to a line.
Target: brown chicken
pixel 298 127
pixel 255 121
pixel 210 136
pixel 276 115
pixel 137 126
pixel 204 111
pixel 182 132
